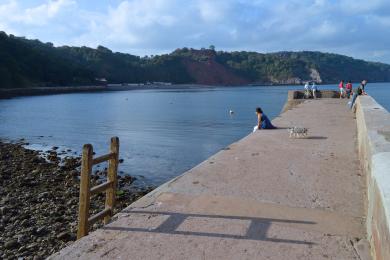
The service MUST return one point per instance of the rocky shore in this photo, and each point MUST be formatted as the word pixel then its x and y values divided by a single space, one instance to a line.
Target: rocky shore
pixel 39 200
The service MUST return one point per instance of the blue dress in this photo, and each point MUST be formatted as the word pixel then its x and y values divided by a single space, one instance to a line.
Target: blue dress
pixel 266 123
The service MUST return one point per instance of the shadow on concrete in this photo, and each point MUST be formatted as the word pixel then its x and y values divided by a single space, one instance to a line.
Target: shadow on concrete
pixel 317 137
pixel 257 229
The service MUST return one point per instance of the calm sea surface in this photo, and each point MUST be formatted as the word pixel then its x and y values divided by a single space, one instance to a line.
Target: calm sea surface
pixel 162 133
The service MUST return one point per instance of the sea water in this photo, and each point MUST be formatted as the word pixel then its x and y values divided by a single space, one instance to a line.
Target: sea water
pixel 162 133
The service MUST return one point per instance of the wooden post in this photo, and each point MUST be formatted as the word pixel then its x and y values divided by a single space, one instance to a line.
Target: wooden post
pixel 112 177
pixel 86 170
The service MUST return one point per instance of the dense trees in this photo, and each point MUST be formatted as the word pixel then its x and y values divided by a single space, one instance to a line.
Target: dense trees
pixel 28 63
pixel 284 65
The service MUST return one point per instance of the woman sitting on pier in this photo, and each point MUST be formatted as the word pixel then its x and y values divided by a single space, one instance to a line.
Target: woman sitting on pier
pixel 263 121
pixel 357 92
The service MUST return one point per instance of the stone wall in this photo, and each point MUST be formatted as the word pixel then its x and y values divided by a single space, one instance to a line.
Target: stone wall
pixel 373 124
pixel 299 94
pixel 295 97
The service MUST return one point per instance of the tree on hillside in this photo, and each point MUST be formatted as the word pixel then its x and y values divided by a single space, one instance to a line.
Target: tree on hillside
pixel 29 63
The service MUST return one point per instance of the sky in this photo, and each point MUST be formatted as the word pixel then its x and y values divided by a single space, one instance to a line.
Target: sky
pixel 357 28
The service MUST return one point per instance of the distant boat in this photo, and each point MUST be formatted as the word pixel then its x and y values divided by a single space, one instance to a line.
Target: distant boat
pixel 231 112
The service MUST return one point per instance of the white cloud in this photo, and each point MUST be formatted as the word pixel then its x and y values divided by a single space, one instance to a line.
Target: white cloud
pixel 326 29
pixel 42 14
pixel 213 11
pixel 363 6
pixel 13 12
pixel 353 27
pixel 377 20
pixel 140 14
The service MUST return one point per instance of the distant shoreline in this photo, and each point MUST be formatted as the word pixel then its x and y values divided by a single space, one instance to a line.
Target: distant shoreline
pixel 40 91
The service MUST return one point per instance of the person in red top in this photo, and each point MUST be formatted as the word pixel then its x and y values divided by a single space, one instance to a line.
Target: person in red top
pixel 348 89
pixel 341 88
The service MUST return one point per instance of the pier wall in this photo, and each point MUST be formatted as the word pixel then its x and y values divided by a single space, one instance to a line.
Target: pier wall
pixel 295 97
pixel 373 127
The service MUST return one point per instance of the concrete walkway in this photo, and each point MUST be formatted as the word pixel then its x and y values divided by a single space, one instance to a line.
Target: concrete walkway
pixel 264 197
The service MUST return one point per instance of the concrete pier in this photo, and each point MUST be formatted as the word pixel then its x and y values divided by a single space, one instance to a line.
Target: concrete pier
pixel 266 196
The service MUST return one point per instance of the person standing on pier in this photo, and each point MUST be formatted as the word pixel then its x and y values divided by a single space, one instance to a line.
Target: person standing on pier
pixel 263 121
pixel 341 88
pixel 314 89
pixel 363 85
pixel 307 90
pixel 348 89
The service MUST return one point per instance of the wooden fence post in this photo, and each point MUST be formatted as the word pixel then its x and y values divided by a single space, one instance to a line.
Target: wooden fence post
pixel 86 170
pixel 112 177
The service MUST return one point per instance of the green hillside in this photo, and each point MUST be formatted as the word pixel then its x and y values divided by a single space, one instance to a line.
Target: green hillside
pixel 29 63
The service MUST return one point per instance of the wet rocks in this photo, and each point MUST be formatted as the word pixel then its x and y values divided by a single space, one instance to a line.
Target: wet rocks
pixel 64 236
pixel 10 244
pixel 3 210
pixel 40 231
pixel 39 201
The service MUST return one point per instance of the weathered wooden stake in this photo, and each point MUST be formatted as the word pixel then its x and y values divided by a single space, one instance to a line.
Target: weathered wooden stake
pixel 109 187
pixel 112 177
pixel 86 170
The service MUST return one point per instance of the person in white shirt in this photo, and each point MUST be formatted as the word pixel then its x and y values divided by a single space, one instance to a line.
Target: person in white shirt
pixel 307 90
pixel 314 89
